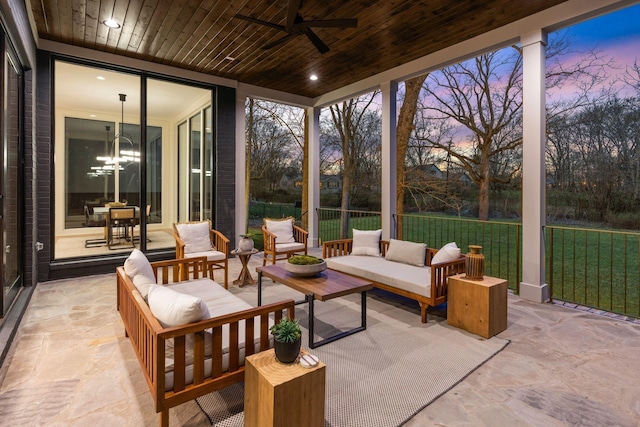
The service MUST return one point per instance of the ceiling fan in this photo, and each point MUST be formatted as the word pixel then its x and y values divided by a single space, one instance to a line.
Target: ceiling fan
pixel 297 26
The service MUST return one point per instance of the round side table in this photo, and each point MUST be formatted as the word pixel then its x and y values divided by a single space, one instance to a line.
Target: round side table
pixel 244 278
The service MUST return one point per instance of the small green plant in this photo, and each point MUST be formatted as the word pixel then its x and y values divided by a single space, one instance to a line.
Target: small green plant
pixel 286 330
pixel 305 260
pixel 247 235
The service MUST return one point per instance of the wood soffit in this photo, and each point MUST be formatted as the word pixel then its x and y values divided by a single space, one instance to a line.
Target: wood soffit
pixel 205 36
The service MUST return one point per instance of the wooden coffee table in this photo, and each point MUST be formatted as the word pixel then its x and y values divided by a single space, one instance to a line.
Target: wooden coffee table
pixel 327 285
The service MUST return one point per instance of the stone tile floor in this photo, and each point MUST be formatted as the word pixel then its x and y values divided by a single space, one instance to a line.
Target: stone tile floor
pixel 71 365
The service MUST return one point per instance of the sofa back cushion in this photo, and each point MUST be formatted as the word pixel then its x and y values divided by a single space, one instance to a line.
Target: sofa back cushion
pixel 406 252
pixel 195 235
pixel 366 242
pixel 448 253
pixel 282 228
pixel 139 270
pixel 173 308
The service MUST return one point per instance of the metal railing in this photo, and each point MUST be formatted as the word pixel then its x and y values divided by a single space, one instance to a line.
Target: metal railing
pixel 335 223
pixel 500 241
pixel 595 268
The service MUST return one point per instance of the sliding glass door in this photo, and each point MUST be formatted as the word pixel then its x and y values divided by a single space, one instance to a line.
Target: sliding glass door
pixel 11 183
pixel 101 154
pixel 195 139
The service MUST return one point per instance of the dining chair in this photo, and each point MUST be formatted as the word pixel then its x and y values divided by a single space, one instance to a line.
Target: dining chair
pixel 122 220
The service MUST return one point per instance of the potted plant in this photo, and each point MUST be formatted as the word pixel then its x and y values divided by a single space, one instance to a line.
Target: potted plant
pixel 305 265
pixel 246 242
pixel 287 337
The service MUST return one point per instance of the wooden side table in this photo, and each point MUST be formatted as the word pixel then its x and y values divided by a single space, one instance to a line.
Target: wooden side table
pixel 244 278
pixel 477 306
pixel 279 395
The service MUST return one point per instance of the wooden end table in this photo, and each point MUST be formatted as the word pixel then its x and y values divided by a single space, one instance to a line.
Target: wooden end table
pixel 280 395
pixel 244 278
pixel 327 285
pixel 477 306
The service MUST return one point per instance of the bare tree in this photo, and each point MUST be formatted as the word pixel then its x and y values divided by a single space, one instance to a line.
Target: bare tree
pixel 483 95
pixel 357 137
pixel 275 136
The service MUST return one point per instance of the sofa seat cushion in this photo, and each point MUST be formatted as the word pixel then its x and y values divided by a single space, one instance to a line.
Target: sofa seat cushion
pixel 211 255
pixel 286 247
pixel 377 269
pixel 219 302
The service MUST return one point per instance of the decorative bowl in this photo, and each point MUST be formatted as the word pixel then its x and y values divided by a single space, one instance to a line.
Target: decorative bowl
pixel 308 270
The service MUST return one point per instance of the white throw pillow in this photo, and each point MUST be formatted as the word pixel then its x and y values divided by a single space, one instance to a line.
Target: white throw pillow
pixel 447 253
pixel 195 236
pixel 137 263
pixel 283 229
pixel 173 308
pixel 366 242
pixel 406 252
pixel 142 284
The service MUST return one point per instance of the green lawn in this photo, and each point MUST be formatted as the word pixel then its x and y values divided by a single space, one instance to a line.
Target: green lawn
pixel 591 267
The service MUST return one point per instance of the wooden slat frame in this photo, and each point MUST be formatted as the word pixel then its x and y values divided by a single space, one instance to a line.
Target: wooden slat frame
pixel 149 339
pixel 439 273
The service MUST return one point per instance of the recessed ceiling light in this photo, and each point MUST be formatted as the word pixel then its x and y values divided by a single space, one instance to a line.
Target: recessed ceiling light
pixel 92 115
pixel 111 23
pixel 101 78
pixel 313 77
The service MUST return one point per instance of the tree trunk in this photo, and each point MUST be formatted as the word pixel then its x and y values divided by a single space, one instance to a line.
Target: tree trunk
pixel 483 188
pixel 344 204
pixel 403 133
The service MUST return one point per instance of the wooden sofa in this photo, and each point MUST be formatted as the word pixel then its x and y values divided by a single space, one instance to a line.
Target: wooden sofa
pixel 209 373
pixel 435 295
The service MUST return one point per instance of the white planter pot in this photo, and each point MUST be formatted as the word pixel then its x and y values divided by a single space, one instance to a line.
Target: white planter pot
pixel 305 270
pixel 245 244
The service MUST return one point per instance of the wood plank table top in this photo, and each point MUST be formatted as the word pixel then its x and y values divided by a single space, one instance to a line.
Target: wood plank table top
pixel 327 285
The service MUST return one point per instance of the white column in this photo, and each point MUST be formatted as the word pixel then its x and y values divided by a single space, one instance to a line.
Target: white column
pixel 314 174
pixel 241 156
pixel 389 153
pixel 533 286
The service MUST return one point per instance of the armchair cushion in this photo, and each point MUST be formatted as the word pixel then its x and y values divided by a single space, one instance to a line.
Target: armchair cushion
pixel 195 236
pixel 286 247
pixel 210 254
pixel 366 242
pixel 173 308
pixel 283 229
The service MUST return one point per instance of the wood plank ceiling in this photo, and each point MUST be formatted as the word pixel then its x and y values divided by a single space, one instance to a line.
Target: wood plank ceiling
pixel 205 35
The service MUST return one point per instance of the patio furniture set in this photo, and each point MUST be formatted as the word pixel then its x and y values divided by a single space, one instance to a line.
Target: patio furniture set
pixel 192 335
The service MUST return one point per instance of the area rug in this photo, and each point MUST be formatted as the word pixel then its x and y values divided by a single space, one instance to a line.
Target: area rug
pixel 378 377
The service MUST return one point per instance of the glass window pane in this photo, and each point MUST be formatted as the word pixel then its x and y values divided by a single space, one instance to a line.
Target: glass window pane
pixel 90 173
pixel 208 163
pixel 196 166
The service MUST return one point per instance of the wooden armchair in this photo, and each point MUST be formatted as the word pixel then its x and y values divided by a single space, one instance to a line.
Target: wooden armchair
pixel 198 239
pixel 282 239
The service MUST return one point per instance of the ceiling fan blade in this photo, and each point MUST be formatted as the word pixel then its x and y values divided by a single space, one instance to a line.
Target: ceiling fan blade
pixel 319 44
pixel 292 13
pixel 278 41
pixel 329 23
pixel 260 22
